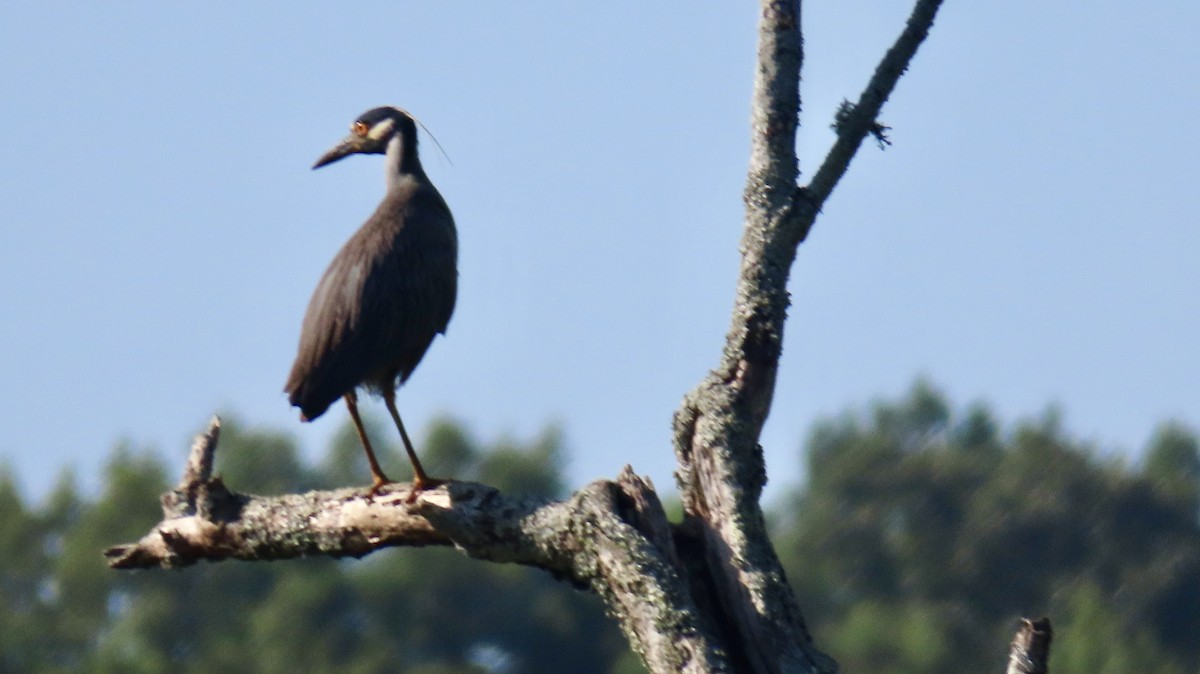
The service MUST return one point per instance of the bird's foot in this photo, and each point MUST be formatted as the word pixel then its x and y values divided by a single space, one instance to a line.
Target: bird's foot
pixel 421 484
pixel 381 481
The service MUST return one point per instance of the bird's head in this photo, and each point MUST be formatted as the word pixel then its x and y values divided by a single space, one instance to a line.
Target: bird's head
pixel 371 133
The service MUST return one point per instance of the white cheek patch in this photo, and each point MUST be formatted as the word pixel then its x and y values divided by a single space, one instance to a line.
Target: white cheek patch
pixel 382 130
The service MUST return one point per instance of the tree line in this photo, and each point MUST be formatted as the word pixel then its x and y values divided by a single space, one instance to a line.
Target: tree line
pixel 921 534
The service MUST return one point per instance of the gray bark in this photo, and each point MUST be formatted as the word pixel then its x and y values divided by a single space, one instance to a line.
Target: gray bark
pixel 706 595
pixel 609 537
pixel 721 470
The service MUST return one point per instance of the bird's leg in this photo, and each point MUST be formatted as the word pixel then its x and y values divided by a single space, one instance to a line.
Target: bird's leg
pixel 421 481
pixel 376 471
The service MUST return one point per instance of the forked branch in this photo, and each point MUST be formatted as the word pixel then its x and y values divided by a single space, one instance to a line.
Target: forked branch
pixel 721 469
pixel 708 595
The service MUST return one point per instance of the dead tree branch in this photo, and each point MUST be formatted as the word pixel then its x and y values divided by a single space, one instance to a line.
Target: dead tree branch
pixel 602 538
pixel 855 121
pixel 707 595
pixel 721 470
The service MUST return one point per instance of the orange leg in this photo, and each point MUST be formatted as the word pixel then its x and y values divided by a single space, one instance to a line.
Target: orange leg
pixel 376 471
pixel 421 481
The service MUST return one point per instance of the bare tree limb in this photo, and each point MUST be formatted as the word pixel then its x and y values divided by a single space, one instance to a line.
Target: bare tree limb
pixel 854 122
pixel 612 538
pixel 1030 650
pixel 203 520
pixel 721 469
pixel 586 540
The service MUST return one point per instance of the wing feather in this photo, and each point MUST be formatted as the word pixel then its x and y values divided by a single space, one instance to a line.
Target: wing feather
pixel 389 290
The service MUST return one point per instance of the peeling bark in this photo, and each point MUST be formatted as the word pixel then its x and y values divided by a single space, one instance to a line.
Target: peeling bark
pixel 706 595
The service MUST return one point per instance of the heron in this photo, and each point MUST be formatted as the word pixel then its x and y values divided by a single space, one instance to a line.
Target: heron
pixel 388 292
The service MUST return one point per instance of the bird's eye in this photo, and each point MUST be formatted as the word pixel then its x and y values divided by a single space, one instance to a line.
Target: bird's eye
pixel 359 128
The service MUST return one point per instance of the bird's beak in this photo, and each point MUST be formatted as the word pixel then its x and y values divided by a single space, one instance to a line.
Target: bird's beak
pixel 350 145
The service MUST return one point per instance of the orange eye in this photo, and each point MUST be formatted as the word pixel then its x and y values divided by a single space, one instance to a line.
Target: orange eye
pixel 359 128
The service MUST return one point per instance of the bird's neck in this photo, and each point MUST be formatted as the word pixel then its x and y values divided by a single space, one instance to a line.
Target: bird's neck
pixel 402 159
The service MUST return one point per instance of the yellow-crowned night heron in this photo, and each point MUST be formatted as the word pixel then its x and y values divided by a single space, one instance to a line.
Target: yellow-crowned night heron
pixel 388 292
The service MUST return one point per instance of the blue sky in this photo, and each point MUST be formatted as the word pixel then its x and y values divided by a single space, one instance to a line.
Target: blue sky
pixel 1032 236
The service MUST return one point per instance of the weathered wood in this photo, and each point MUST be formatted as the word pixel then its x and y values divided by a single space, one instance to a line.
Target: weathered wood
pixel 610 537
pixel 722 472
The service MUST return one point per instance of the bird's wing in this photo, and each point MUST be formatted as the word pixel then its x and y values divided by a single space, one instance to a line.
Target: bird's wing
pixel 390 288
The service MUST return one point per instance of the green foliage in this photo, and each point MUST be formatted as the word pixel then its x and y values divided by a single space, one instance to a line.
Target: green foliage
pixel 266 461
pixel 1091 638
pixel 887 639
pixel 535 470
pixel 21 577
pixel 1173 464
pixel 920 539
